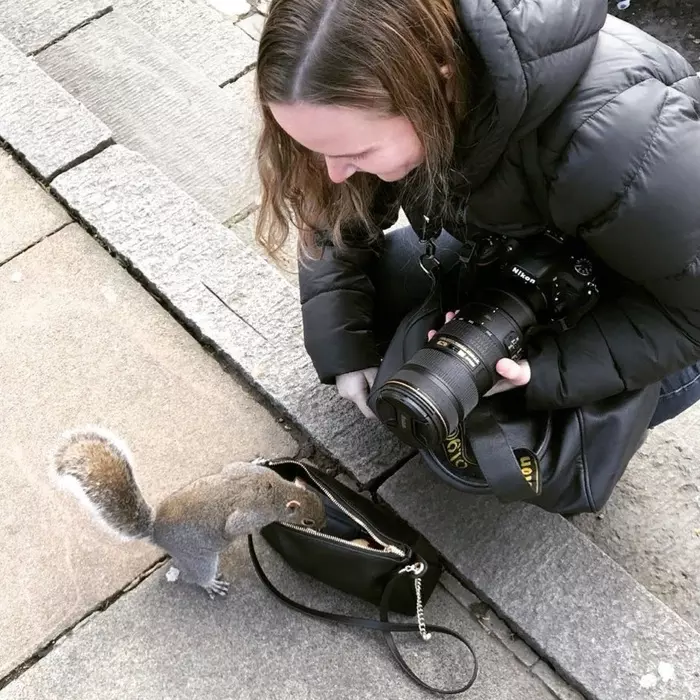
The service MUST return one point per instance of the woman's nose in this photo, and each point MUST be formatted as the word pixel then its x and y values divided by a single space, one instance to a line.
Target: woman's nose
pixel 339 170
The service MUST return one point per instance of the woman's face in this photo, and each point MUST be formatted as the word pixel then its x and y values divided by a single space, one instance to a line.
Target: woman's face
pixel 353 140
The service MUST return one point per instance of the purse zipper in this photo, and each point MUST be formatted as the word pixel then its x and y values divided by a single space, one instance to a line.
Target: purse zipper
pixel 388 548
pixel 309 531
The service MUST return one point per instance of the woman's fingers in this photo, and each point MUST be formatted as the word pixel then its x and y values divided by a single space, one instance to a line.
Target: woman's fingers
pixel 517 373
pixel 448 317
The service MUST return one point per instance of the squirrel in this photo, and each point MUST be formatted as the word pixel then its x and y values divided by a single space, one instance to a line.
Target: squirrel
pixel 195 523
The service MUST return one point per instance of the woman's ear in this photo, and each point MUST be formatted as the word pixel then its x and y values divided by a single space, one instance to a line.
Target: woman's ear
pixel 448 74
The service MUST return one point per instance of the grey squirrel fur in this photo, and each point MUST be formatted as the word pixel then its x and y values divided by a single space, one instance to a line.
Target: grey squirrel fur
pixel 193 524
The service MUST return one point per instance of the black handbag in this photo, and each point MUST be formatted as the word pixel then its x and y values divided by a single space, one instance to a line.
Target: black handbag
pixel 396 570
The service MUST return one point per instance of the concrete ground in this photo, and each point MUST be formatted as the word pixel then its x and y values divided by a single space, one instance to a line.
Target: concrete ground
pixel 675 22
pixel 85 615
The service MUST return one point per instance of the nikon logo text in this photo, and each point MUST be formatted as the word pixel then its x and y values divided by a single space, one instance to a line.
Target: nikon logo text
pixel 523 275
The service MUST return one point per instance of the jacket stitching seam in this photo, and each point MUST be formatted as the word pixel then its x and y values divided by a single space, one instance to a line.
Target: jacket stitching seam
pixel 321 292
pixel 646 56
pixel 627 185
pixel 515 7
pixel 618 369
pixel 516 48
pixel 593 114
pixel 558 51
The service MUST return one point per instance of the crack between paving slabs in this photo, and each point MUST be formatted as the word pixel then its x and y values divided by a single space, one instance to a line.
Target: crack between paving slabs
pixel 242 215
pixel 45 181
pixel 238 75
pixel 36 243
pixel 38 655
pixel 235 313
pixel 102 146
pixel 374 484
pixel 82 24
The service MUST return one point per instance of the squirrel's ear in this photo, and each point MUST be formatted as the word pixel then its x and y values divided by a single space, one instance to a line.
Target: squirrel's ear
pixel 300 483
pixel 293 505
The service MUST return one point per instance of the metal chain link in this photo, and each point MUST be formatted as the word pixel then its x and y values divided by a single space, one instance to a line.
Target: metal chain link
pixel 418 568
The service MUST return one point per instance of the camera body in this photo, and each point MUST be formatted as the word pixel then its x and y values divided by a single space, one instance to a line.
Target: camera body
pixel 522 286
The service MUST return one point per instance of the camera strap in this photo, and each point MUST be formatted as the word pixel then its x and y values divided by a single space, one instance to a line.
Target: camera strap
pixel 500 465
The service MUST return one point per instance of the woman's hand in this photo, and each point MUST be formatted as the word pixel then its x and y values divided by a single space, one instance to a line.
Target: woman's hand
pixel 514 374
pixel 356 387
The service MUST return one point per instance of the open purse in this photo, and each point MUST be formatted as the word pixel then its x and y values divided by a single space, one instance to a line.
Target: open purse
pixel 364 550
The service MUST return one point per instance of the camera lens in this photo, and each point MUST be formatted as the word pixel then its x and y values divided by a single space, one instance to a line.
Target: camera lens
pixel 428 398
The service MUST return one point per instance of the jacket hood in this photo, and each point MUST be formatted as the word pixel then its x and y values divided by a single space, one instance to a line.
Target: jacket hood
pixel 532 53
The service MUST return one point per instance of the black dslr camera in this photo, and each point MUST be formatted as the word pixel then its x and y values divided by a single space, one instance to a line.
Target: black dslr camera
pixel 529 284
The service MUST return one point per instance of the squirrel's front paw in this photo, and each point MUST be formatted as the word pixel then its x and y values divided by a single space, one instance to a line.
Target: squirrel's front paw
pixel 217 587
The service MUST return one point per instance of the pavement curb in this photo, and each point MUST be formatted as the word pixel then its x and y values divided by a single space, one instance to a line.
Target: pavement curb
pixel 602 631
pixel 235 301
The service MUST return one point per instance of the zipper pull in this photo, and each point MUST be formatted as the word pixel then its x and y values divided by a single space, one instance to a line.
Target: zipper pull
pixel 418 569
pixel 393 550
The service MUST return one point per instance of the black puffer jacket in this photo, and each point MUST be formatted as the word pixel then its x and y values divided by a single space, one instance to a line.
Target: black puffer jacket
pixel 617 116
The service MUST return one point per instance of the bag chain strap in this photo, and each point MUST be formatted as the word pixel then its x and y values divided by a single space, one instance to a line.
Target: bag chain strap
pixel 418 569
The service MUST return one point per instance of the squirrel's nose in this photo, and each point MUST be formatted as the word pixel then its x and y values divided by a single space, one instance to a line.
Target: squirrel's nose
pixel 308 522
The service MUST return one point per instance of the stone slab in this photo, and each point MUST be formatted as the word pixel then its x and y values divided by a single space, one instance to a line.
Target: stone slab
pixel 253 26
pixel 575 606
pixel 651 524
pixel 82 342
pixel 32 25
pixel 229 296
pixel 159 105
pixel 39 119
pixel 27 211
pixel 230 8
pixel 166 640
pixel 196 32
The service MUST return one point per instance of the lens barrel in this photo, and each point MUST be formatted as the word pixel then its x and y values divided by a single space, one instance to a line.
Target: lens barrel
pixel 429 397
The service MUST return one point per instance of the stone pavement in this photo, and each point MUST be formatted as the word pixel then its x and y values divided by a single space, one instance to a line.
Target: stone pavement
pixel 611 603
pixel 84 615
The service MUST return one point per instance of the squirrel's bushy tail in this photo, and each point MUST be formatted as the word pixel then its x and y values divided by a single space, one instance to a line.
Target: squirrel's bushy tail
pixel 97 468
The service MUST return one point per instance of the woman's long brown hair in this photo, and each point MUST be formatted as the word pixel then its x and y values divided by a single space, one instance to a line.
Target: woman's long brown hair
pixel 384 55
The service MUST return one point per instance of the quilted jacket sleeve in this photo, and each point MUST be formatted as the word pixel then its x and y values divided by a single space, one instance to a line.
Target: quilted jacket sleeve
pixel 634 169
pixel 337 298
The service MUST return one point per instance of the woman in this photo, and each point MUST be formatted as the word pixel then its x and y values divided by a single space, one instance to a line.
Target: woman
pixel 430 105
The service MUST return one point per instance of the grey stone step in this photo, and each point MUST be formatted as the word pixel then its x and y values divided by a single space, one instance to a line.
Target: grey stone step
pixel 602 630
pixel 196 32
pixel 651 525
pixel 41 121
pixel 83 343
pixel 155 102
pixel 168 640
pixel 229 295
pixel 35 23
